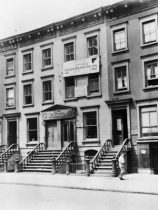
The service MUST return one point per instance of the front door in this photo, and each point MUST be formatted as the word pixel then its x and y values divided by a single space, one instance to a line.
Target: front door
pixel 120 132
pixel 12 132
pixel 68 131
pixel 52 142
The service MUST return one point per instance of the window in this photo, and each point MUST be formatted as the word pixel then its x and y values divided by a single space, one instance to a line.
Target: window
pixel 28 94
pixel 121 78
pixel 32 129
pixel 27 62
pixel 149 31
pixel 47 91
pixel 92 45
pixel 93 84
pixel 90 125
pixel 69 51
pixel 119 35
pixel 148 121
pixel 10 101
pixel 10 66
pixel 47 61
pixel 151 73
pixel 69 87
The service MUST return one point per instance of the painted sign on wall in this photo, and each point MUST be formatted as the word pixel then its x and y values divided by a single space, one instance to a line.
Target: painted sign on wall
pixel 81 67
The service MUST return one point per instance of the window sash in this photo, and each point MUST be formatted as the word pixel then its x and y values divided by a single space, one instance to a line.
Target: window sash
pixel 10 97
pixel 69 51
pixel 120 39
pixel 28 94
pixel 149 31
pixel 92 46
pixel 149 121
pixel 27 62
pixel 10 66
pixel 93 85
pixel 121 78
pixel 47 57
pixel 90 125
pixel 32 129
pixel 151 72
pixel 47 91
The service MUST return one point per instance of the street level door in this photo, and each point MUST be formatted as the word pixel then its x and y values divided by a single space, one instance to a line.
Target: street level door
pixel 68 131
pixel 12 132
pixel 52 142
pixel 120 132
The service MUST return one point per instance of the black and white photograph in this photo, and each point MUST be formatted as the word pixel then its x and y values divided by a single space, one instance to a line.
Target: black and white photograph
pixel 79 104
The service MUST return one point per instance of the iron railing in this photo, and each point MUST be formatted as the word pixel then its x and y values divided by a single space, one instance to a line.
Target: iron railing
pixel 2 148
pixel 9 152
pixel 103 150
pixel 30 156
pixel 65 154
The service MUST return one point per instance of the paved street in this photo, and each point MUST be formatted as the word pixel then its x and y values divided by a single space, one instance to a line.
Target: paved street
pixel 24 197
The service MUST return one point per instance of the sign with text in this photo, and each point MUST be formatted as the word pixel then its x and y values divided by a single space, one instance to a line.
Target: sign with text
pixel 58 114
pixel 81 67
pixel 80 91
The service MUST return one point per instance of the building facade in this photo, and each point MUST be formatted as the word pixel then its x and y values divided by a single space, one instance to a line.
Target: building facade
pixel 87 79
pixel 132 34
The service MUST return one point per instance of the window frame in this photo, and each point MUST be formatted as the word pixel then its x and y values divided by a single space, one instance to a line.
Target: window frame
pixel 115 67
pixel 14 98
pixel 88 38
pixel 66 78
pixel 145 105
pixel 27 131
pixel 47 79
pixel 70 54
pixel 90 93
pixel 97 125
pixel 47 46
pixel 145 60
pixel 32 94
pixel 13 69
pixel 142 22
pixel 26 53
pixel 115 29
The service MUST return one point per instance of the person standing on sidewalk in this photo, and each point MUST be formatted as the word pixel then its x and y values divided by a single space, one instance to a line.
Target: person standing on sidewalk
pixel 122 165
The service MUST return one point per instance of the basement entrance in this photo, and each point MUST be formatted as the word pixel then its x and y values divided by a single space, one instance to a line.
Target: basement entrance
pixel 154 157
pixel 119 126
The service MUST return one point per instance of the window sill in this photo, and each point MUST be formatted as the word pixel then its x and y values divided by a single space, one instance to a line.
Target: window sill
pixel 148 139
pixel 10 108
pixel 120 51
pixel 90 141
pixel 31 143
pixel 47 103
pixel 70 99
pixel 149 44
pixel 150 88
pixel 94 96
pixel 28 72
pixel 47 68
pixel 122 92
pixel 29 105
pixel 10 76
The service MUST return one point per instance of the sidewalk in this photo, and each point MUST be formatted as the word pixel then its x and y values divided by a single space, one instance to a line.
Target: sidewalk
pixel 133 183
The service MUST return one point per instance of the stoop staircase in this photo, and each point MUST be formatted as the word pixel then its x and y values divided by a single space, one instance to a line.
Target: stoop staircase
pixel 104 166
pixel 42 161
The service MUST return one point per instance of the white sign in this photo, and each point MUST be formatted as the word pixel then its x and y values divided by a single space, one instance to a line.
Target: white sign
pixel 80 91
pixel 80 67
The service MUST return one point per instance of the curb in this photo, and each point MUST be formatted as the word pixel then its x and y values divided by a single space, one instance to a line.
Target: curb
pixel 82 188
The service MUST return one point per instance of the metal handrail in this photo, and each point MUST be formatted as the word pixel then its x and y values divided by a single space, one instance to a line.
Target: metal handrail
pixel 104 149
pixel 2 148
pixel 65 154
pixel 126 146
pixel 31 154
pixel 9 151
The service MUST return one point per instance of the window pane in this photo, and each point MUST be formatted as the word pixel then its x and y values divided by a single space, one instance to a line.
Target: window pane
pixel 153 118
pixel 145 119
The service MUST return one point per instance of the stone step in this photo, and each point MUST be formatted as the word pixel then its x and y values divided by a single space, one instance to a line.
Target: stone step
pixel 38 167
pixel 36 170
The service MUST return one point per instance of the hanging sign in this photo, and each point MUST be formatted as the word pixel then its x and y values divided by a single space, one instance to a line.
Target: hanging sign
pixel 81 67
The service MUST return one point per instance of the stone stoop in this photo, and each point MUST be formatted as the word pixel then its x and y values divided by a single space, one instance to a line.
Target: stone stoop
pixel 42 162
